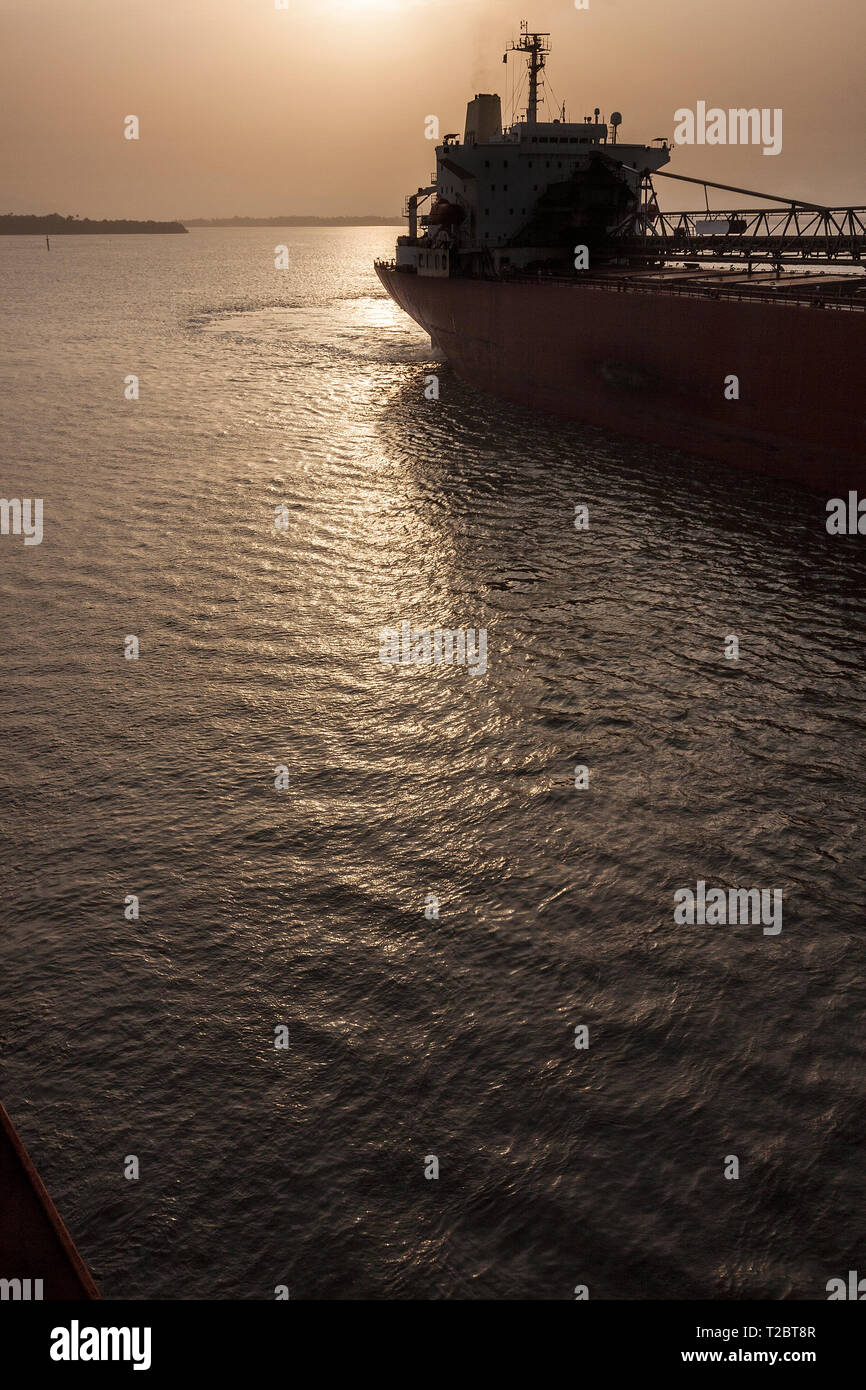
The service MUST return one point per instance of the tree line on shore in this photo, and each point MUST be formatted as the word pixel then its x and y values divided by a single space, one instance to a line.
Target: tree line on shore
pixel 55 224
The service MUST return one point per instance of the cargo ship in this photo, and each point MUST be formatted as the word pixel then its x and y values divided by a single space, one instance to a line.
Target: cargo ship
pixel 543 269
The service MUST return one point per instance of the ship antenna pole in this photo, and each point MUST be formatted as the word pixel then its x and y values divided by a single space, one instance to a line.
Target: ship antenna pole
pixel 536 48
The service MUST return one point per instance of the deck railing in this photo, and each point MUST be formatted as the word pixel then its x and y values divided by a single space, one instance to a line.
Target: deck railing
pixel 615 285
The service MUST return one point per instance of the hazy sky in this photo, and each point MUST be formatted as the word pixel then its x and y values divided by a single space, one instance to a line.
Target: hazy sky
pixel 249 109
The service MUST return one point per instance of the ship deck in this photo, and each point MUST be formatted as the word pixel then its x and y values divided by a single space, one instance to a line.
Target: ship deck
pixel 818 289
pixel 830 290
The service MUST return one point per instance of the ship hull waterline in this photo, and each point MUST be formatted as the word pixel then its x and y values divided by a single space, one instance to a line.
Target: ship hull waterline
pixel 657 367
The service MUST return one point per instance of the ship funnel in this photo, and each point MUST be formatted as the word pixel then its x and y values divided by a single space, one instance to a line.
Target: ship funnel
pixel 483 119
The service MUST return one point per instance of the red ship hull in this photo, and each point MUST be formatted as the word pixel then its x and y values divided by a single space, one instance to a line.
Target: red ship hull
pixel 37 1257
pixel 654 365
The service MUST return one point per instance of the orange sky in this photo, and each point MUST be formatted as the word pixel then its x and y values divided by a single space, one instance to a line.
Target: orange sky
pixel 320 108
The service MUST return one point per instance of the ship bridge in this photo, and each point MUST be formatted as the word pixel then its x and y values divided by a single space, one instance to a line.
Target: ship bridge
pixel 498 182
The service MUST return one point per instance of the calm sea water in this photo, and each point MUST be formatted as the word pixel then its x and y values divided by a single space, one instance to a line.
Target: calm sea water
pixel 409 1037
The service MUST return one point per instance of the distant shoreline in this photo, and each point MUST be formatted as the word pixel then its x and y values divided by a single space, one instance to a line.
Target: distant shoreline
pixel 53 224
pixel 29 224
pixel 293 221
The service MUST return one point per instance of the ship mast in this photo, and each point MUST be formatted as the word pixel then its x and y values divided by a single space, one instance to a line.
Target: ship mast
pixel 537 48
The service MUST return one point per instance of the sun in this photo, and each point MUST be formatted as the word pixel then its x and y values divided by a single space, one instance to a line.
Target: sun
pixel 369 10
pixel 371 6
